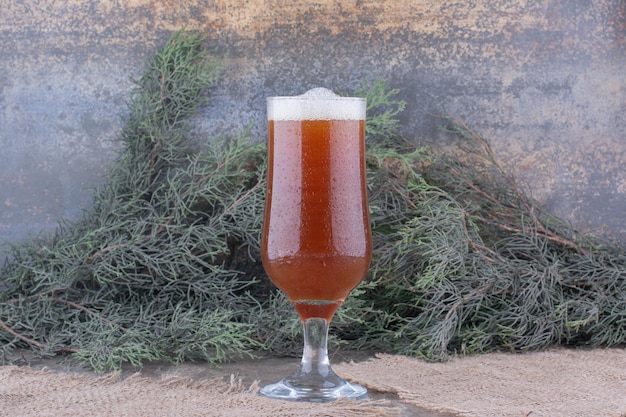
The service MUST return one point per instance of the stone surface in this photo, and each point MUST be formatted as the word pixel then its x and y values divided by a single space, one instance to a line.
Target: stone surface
pixel 542 80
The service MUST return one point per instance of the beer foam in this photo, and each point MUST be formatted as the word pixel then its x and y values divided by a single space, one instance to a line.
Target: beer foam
pixel 316 104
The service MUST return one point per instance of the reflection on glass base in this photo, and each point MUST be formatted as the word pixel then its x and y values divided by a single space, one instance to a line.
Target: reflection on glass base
pixel 297 388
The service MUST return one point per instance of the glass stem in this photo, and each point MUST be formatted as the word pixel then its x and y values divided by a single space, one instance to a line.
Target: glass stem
pixel 314 380
pixel 315 354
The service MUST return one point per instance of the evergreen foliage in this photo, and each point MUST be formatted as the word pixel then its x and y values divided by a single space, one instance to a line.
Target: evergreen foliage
pixel 467 263
pixel 166 264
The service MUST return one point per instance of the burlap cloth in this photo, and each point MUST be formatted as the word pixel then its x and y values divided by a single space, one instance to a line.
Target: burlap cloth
pixel 554 383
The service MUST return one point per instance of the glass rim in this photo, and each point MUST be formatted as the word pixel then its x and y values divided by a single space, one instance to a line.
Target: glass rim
pixel 316 104
pixel 314 98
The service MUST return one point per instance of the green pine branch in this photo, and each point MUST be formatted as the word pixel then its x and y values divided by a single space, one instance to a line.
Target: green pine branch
pixel 166 265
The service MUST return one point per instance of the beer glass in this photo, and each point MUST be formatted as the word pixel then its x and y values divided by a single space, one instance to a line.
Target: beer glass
pixel 316 240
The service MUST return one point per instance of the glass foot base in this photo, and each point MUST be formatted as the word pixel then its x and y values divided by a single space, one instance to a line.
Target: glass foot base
pixel 286 390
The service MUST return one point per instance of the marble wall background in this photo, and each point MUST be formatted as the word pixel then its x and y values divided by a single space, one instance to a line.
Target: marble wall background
pixel 543 80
